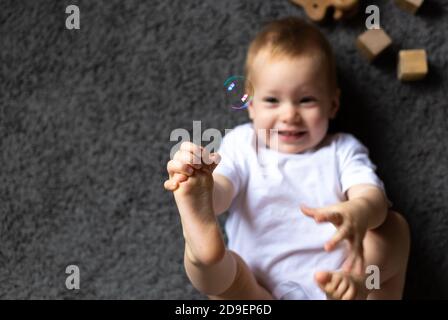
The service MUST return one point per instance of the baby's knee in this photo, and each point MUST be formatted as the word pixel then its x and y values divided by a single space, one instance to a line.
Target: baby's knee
pixel 401 227
pixel 244 286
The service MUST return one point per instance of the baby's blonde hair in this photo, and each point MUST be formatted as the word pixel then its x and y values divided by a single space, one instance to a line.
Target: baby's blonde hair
pixel 291 38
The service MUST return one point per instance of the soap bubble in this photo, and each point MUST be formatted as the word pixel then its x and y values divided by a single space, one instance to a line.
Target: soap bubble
pixel 239 92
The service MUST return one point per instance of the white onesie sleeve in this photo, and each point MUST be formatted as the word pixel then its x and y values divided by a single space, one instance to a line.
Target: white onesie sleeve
pixel 354 163
pixel 232 155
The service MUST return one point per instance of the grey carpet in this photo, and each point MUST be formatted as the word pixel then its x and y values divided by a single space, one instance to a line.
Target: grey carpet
pixel 86 118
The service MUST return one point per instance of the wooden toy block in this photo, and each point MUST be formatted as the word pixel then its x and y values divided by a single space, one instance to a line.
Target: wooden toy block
pixel 373 42
pixel 317 9
pixel 409 5
pixel 412 65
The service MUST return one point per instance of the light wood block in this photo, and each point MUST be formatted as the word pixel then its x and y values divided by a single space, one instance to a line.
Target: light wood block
pixel 409 5
pixel 372 43
pixel 412 65
pixel 317 9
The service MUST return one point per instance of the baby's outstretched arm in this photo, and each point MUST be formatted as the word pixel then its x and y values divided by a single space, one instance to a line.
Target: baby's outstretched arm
pixel 365 209
pixel 372 201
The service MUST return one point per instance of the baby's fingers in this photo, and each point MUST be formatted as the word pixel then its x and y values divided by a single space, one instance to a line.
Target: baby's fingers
pixel 195 150
pixel 354 263
pixel 190 147
pixel 333 217
pixel 310 212
pixel 340 235
pixel 349 261
pixel 176 166
pixel 188 158
pixel 210 159
pixel 323 215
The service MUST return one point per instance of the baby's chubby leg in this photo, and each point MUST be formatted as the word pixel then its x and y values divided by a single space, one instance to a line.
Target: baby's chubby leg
pixel 212 269
pixel 191 181
pixel 388 248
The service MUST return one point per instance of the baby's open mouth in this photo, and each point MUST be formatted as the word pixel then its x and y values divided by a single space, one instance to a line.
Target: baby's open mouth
pixel 291 133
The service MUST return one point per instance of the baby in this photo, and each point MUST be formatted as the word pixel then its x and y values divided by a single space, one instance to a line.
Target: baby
pixel 307 213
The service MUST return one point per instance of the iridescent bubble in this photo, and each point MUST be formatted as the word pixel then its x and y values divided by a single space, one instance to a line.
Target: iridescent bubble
pixel 239 92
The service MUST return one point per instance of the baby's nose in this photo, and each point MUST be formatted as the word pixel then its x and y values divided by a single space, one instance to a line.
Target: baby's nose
pixel 290 114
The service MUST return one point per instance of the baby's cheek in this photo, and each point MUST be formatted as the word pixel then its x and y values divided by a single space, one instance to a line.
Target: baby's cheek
pixel 317 120
pixel 264 122
pixel 318 126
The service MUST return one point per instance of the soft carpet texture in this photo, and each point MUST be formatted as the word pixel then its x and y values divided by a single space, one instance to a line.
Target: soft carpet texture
pixel 85 124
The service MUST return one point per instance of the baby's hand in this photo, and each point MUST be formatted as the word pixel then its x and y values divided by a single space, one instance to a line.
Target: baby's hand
pixel 186 161
pixel 352 226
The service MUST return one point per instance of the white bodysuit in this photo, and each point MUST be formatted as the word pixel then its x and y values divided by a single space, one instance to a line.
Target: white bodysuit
pixel 282 246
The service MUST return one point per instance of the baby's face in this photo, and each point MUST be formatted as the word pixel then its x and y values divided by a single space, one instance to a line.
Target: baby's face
pixel 293 97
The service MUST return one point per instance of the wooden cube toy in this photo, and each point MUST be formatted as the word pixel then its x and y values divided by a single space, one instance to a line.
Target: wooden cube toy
pixel 409 5
pixel 412 65
pixel 317 9
pixel 373 42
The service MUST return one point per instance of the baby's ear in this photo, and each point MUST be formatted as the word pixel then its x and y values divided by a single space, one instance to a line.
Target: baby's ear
pixel 251 110
pixel 335 102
